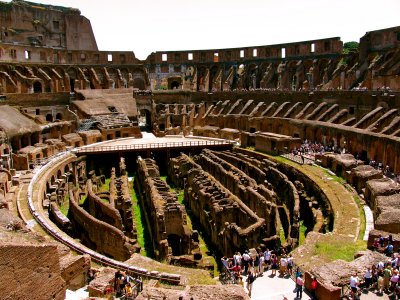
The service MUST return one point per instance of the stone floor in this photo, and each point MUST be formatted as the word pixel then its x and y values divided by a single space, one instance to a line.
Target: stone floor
pixel 276 288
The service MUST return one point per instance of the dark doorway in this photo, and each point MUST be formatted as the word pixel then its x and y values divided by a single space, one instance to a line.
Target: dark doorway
pixel 72 84
pixel 174 241
pixel 37 87
pixel 175 85
pixel 139 84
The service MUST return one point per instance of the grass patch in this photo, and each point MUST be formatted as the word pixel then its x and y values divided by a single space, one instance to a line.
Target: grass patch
pixel 143 235
pixel 282 235
pixel 83 200
pixel 64 208
pixel 363 220
pixel 105 187
pixel 181 196
pixel 302 232
pixel 339 250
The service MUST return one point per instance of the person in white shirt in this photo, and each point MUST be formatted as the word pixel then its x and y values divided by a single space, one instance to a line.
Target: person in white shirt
pixel 267 258
pixel 283 267
pixel 368 278
pixel 354 282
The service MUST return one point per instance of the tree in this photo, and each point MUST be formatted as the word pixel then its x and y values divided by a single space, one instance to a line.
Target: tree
pixel 350 47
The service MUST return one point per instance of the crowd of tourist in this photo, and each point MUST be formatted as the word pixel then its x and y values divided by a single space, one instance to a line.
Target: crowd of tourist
pixel 124 286
pixel 382 277
pixel 253 264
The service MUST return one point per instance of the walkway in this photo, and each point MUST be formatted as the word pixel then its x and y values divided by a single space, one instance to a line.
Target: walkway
pixel 149 142
pixel 275 288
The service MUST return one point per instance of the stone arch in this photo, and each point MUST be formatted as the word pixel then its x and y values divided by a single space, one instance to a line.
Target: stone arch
pixel 252 80
pixel 139 83
pixel 212 77
pixel 174 84
pixel 59 173
pixel 25 140
pixel 139 79
pixel 113 73
pixel 145 118
pixel 125 77
pixel 37 87
pixel 59 116
pixel 73 76
pixel 49 117
pixel 175 242
pixel 390 157
pixel 201 77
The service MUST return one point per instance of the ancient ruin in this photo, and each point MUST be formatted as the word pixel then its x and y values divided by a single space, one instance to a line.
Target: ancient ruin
pixel 221 145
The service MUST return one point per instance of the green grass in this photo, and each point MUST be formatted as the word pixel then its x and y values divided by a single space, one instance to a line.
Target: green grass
pixel 64 208
pixel 302 232
pixel 339 250
pixel 83 200
pixel 282 235
pixel 181 196
pixel 363 221
pixel 143 235
pixel 105 187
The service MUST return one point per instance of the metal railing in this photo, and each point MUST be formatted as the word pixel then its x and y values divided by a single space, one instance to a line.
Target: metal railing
pixel 148 146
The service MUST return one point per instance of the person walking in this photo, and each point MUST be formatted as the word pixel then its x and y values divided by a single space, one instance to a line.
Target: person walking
pixel 250 279
pixel 299 286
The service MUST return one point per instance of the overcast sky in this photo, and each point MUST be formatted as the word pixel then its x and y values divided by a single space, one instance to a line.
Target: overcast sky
pixel 153 25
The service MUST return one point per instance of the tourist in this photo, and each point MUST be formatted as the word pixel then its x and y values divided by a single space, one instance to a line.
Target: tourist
pixel 290 264
pixel 394 279
pixel 267 258
pixel 387 274
pixel 261 264
pixel 224 261
pixel 237 259
pixel 283 266
pixel 250 279
pixel 128 292
pixel 389 249
pixel 274 264
pixel 368 278
pixel 256 262
pixel 246 261
pixel 354 283
pixel 299 286
pixel 313 287
pixel 237 272
pixel 380 284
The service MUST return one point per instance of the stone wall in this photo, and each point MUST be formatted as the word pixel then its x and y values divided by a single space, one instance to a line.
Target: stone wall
pixel 229 223
pixel 166 217
pixel 99 235
pixel 32 270
pixel 101 210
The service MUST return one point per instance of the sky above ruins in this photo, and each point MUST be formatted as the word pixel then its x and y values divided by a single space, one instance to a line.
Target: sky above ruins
pixel 161 25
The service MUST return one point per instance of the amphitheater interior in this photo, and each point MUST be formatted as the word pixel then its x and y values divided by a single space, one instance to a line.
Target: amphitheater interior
pixel 160 167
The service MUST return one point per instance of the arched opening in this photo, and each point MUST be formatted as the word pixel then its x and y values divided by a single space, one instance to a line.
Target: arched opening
pixel 175 85
pixel 59 174
pixel 145 119
pixel 37 87
pixel 49 118
pixel 59 116
pixel 72 77
pixel 72 84
pixel 174 241
pixel 139 83
pixel 25 141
